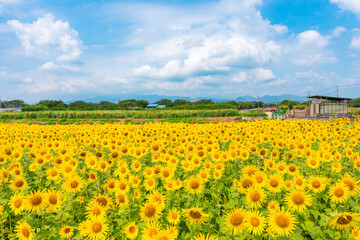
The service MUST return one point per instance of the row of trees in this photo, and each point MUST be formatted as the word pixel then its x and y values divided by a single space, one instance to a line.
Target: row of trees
pixel 141 104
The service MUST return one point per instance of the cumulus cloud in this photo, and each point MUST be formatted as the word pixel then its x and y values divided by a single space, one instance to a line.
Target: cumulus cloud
pixel 310 49
pixel 48 36
pixel 348 5
pixel 256 75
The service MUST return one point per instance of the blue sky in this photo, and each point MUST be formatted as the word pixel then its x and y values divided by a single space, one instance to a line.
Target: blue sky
pixel 223 49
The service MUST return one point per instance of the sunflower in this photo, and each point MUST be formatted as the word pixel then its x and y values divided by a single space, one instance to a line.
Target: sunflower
pixel 282 223
pixel 150 211
pixel 255 223
pixel 17 203
pixel 345 220
pixel 299 182
pixel 35 201
pixel 18 184
pixel 317 184
pixel 53 199
pixel 104 201
pixel 158 197
pixel 204 237
pixel 195 215
pixel 355 233
pixel 173 216
pixel 149 183
pixel 235 220
pixel 150 230
pixel 66 232
pixel 164 235
pixel 93 210
pixel 131 230
pixel 194 185
pixel 273 206
pixel 111 184
pixel 298 200
pixel 121 199
pixel 255 197
pixel 97 228
pixel 73 184
pixel 274 183
pixel 245 183
pixel 339 192
pixel 52 173
pixel 292 169
pixel 23 231
pixel 351 183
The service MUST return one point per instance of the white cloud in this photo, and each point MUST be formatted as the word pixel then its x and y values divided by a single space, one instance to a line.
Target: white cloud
pixel 310 49
pixel 348 5
pixel 338 31
pixel 260 74
pixel 239 78
pixel 50 66
pixel 48 36
pixel 355 43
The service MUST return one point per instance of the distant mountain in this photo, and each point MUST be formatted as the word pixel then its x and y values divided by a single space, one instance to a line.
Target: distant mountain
pixel 154 98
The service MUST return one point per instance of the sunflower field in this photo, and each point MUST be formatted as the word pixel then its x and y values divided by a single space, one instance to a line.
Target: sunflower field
pixel 248 180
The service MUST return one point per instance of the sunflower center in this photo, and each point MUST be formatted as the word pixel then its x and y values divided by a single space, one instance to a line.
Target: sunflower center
pixel 67 230
pixel 132 229
pixel 166 173
pixel 114 155
pixel 255 222
pixel 53 199
pixel 122 186
pixel 150 211
pixel 18 203
pixel 195 214
pixel 121 198
pixel 236 219
pixel 102 201
pixel 246 183
pixel 298 198
pixel 53 173
pixel 74 184
pixel 25 232
pixel 36 200
pixel 255 196
pixel 349 184
pixel 274 183
pixel 282 221
pixel 96 211
pixel 19 183
pixel 152 232
pixel 299 182
pixel 292 168
pixel 194 184
pixel 313 162
pixel 174 216
pixel 96 227
pixel 316 184
pixel 338 192
pixel 344 220
pixel 112 184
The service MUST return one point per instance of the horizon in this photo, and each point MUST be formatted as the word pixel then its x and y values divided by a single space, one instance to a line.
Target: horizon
pixel 192 49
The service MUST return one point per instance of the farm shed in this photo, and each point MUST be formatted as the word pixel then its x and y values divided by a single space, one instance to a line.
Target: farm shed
pixel 324 107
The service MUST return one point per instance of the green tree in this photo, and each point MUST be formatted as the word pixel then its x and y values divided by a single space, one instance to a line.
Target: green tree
pixel 51 103
pixel 204 101
pixel 166 102
pixel 142 103
pixel 180 102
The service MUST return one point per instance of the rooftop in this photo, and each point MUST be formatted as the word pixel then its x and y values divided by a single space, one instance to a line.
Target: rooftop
pixel 329 98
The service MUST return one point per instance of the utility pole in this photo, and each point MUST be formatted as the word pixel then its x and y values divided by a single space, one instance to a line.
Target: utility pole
pixel 309 93
pixel 0 102
pixel 258 101
pixel 337 90
pixel 275 101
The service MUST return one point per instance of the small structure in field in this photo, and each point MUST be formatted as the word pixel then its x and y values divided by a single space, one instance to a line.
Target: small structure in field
pixel 151 106
pixel 324 107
